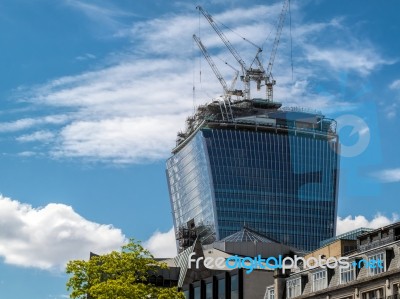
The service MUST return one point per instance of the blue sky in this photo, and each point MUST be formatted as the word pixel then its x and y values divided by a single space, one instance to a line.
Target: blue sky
pixel 92 94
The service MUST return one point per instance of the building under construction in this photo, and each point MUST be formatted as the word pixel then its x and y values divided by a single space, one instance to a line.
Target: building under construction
pixel 248 161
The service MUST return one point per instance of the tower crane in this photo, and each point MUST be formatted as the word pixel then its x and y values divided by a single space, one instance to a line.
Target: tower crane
pixel 270 82
pixel 227 91
pixel 226 110
pixel 259 74
pixel 233 83
pixel 248 73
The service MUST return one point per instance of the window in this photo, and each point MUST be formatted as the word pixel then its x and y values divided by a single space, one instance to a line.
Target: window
pixel 396 291
pixel 159 281
pixel 221 288
pixel 397 233
pixel 364 241
pixel 374 294
pixel 270 293
pixel 375 237
pixel 385 233
pixel 319 280
pixel 209 290
pixel 376 263
pixel 347 274
pixel 186 294
pixel 234 287
pixel 293 287
pixel 197 292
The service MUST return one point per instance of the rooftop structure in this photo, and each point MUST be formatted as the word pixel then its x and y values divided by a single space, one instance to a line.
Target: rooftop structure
pixel 350 235
pixel 198 281
pixel 257 114
pixel 373 270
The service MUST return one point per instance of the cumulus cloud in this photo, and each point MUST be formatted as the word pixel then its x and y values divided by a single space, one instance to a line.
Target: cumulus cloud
pixel 349 223
pixel 117 139
pixel 48 237
pixel 162 245
pixel 122 114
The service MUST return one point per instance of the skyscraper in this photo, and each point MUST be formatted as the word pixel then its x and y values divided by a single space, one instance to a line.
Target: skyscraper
pixel 255 164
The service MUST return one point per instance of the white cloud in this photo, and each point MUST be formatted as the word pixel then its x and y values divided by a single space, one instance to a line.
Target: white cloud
pixel 162 245
pixel 390 110
pixel 86 56
pixel 43 136
pixel 362 60
pixel 129 110
pixel 388 175
pixel 26 123
pixel 342 52
pixel 27 154
pixel 395 84
pixel 350 223
pixel 17 125
pixel 172 35
pixel 121 140
pixel 123 114
pixel 48 237
pixel 391 114
pixel 99 12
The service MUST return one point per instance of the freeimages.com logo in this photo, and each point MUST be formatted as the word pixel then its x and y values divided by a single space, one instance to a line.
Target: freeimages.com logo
pixel 280 262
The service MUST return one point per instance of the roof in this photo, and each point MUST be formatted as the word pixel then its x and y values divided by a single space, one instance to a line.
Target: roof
pixel 248 235
pixel 350 235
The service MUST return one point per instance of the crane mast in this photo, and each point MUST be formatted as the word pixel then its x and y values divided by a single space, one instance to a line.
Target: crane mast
pixel 225 104
pixel 270 82
pixel 211 63
pixel 233 84
pixel 227 91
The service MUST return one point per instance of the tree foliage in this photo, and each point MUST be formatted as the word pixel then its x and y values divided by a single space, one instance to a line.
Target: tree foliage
pixel 117 275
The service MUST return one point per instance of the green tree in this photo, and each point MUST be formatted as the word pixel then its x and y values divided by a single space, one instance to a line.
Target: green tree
pixel 118 275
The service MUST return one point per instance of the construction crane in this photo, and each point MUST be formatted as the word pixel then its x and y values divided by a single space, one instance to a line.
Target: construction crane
pixel 258 75
pixel 233 83
pixel 227 91
pixel 248 73
pixel 226 109
pixel 223 38
pixel 270 82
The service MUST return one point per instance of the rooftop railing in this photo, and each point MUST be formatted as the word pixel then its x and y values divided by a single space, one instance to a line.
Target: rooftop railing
pixel 301 109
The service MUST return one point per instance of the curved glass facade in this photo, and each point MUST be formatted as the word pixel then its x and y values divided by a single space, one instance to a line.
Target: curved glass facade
pixel 283 185
pixel 191 188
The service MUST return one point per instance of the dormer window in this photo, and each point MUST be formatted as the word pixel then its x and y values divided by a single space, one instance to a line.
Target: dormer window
pixel 376 263
pixel 270 293
pixel 293 287
pixel 347 274
pixel 319 280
